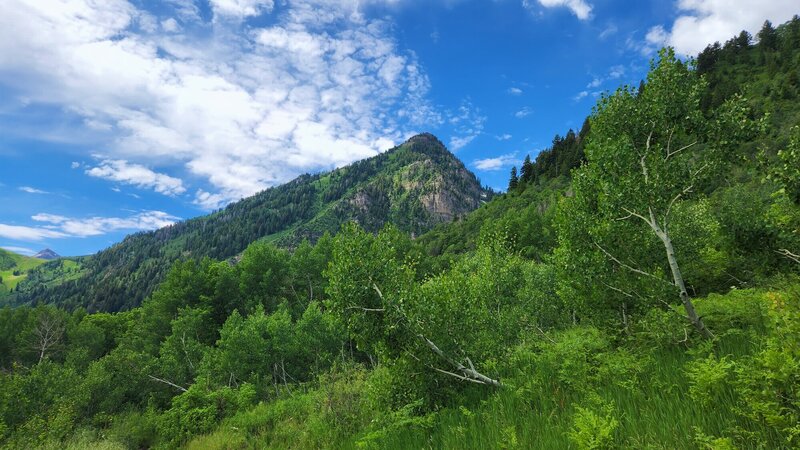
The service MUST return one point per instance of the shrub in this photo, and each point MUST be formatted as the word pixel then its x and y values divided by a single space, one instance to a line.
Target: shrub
pixel 593 428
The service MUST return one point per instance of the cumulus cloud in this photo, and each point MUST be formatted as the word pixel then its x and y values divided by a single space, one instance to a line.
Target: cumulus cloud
pixel 580 8
pixel 702 22
pixel 240 108
pixel 515 91
pixel 56 226
pixel 32 190
pixel 497 163
pixel 503 137
pixel 140 176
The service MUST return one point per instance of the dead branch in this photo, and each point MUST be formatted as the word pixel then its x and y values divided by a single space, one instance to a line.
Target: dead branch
pixel 367 309
pixel 685 147
pixel 787 254
pixel 467 373
pixel 160 380
pixel 632 269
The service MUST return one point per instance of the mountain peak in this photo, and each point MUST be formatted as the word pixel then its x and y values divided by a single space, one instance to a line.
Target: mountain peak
pixel 425 138
pixel 47 254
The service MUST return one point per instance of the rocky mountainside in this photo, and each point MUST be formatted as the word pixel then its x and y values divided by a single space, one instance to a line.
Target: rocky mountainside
pixel 414 186
pixel 47 254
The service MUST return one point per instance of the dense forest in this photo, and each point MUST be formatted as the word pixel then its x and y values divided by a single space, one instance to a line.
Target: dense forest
pixel 636 287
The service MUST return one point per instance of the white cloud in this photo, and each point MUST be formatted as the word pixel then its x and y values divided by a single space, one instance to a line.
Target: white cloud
pixel 580 8
pixel 616 72
pixel 61 227
pixel 22 233
pixel 137 175
pixel 655 38
pixel 496 163
pixel 240 8
pixel 32 190
pixel 75 165
pixel 610 30
pixel 524 112
pixel 242 108
pixel 467 122
pixel 459 142
pixel 170 25
pixel 581 95
pixel 503 137
pixel 515 91
pixel 20 250
pixel 703 22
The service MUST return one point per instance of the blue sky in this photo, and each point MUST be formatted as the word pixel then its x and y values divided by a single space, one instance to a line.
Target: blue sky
pixel 121 115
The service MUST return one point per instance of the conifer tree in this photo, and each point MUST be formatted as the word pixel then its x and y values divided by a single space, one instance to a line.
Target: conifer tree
pixel 514 181
pixel 527 170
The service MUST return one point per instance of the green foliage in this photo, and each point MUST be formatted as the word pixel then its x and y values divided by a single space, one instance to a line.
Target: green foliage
pixel 769 381
pixel 199 409
pixel 709 378
pixel 787 170
pixel 594 429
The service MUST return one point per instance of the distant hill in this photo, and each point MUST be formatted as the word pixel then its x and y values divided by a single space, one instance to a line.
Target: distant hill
pixel 14 269
pixel 415 186
pixel 47 254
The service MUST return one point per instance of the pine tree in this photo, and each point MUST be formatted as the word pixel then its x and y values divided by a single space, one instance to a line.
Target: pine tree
pixel 527 170
pixel 768 37
pixel 514 181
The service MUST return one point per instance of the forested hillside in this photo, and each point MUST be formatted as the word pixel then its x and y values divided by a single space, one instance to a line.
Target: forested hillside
pixel 413 186
pixel 638 286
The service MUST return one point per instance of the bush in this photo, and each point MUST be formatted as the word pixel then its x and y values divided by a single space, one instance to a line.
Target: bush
pixel 769 382
pixel 593 428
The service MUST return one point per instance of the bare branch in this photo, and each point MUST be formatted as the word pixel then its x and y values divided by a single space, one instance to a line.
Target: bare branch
pixel 675 199
pixel 787 254
pixel 632 269
pixel 626 294
pixel 669 140
pixel 685 147
pixel 676 311
pixel 160 380
pixel 635 214
pixel 697 172
pixel 468 373
pixel 544 335
pixel 460 377
pixel 367 309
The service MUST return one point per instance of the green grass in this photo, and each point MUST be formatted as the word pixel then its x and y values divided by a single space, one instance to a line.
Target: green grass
pixel 22 264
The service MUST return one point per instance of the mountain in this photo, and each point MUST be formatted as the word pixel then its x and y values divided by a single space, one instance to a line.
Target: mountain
pixel 14 269
pixel 414 186
pixel 47 254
